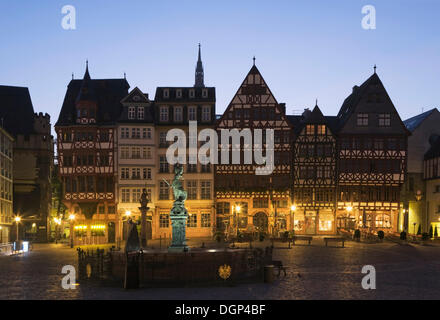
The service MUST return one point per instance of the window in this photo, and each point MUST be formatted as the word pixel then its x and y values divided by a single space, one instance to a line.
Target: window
pixel 192 113
pixel 437 189
pixel 125 173
pixel 178 114
pixel 146 153
pixel 135 133
pixel 205 93
pixel 191 168
pixel 146 133
pixel 163 143
pixel 192 221
pixel 163 191
pixel 191 188
pixel 125 195
pixel 131 112
pixel 136 195
pixel 191 93
pixel 141 113
pixel 135 173
pixel 384 120
pixel 321 130
pixel 310 129
pixel 206 113
pixel 166 93
pixel 163 165
pixel 362 119
pixel 124 133
pixel 206 220
pixel 146 173
pixel 205 190
pixel 260 203
pixel 179 93
pixel 163 114
pixel 206 168
pixel 164 220
pixel 125 153
pixel 135 152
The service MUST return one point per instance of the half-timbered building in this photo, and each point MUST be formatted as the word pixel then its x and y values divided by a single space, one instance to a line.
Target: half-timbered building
pixel 372 157
pixel 86 130
pixel 314 173
pixel 246 201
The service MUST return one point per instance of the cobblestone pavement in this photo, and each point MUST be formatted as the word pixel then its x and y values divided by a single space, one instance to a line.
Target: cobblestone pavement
pixel 315 272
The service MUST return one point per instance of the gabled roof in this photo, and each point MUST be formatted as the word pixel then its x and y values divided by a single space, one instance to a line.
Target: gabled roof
pixel 16 110
pixel 413 123
pixel 108 92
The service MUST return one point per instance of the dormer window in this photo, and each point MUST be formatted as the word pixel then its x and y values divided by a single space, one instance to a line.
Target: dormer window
pixel 205 93
pixel 141 113
pixel 131 113
pixel 179 93
pixel 166 93
pixel 192 93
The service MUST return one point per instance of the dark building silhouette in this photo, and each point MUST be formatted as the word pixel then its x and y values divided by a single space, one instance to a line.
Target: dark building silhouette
pixel 33 160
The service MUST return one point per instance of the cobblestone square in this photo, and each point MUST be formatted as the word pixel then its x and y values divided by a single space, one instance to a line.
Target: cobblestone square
pixel 315 272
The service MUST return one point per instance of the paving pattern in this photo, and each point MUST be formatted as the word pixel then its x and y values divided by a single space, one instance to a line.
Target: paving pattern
pixel 315 272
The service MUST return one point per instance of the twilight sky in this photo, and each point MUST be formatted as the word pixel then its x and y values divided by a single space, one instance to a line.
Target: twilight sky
pixel 306 50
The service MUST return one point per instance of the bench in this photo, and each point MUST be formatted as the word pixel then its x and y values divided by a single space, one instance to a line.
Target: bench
pixel 302 238
pixel 272 240
pixel 335 239
pixel 279 265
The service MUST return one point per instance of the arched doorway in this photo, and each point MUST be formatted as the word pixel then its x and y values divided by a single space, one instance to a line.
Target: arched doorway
pixel 260 221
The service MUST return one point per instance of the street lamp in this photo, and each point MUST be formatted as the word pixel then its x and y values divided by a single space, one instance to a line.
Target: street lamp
pixel 237 213
pixel 17 221
pixel 292 219
pixel 71 218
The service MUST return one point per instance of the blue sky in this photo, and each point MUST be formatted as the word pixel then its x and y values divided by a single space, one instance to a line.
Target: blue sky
pixel 306 50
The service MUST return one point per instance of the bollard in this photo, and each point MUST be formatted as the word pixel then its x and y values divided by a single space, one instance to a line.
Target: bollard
pixel 268 274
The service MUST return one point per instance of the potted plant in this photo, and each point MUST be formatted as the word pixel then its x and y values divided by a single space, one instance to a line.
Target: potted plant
pixel 403 237
pixel 425 238
pixel 357 235
pixel 380 235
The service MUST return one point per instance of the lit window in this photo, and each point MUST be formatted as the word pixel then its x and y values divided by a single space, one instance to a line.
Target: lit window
pixel 310 129
pixel 164 221
pixel 206 220
pixel 321 130
pixel 163 191
pixel 125 195
pixel 192 221
pixel 205 190
pixel 191 188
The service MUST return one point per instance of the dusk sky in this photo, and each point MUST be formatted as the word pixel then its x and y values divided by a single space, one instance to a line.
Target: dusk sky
pixel 306 50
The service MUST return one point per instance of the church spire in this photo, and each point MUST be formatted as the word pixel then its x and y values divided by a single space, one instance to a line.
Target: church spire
pixel 86 91
pixel 199 71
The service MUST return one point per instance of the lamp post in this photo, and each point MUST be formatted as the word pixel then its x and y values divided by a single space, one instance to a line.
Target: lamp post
pixel 128 216
pixel 237 215
pixel 71 218
pixel 292 217
pixel 17 221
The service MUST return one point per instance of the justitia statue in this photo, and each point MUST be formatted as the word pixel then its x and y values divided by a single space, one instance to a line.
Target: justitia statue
pixel 144 209
pixel 178 214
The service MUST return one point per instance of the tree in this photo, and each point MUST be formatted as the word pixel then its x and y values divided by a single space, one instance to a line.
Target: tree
pixel 419 230
pixel 435 232
pixel 430 232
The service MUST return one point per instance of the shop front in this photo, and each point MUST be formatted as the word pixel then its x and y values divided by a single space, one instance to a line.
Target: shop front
pixel 314 221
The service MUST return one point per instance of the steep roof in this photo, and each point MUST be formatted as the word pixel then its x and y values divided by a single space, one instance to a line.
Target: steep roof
pixel 16 110
pixel 108 94
pixel 312 117
pixel 413 123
